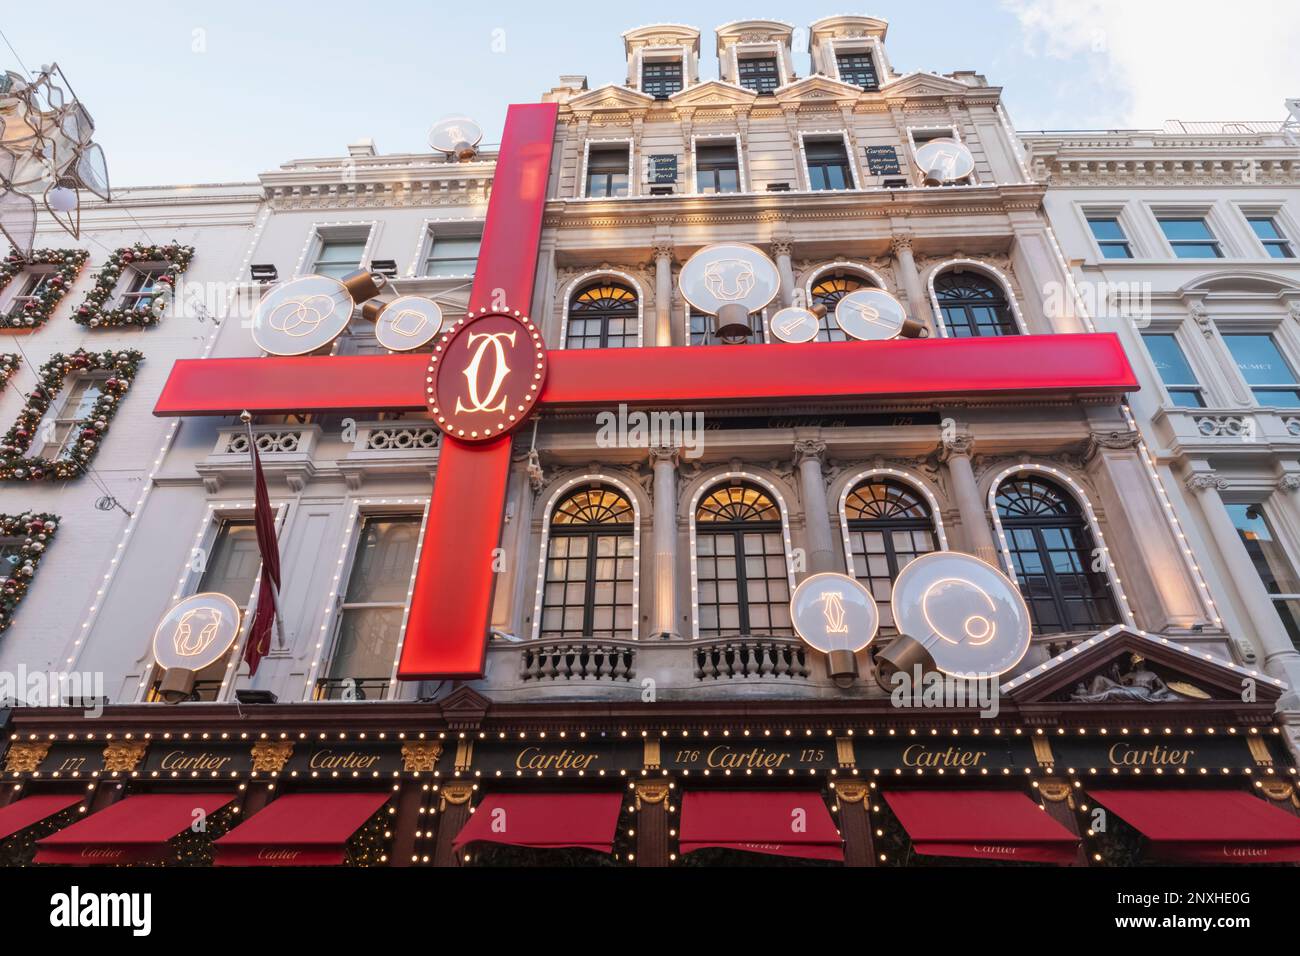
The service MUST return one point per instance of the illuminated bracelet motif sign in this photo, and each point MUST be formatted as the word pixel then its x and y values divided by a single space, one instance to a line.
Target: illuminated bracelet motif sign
pixel 196 632
pixel 966 613
pixel 871 315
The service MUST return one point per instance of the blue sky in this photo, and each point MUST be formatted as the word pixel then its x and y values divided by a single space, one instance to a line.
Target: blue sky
pixel 188 92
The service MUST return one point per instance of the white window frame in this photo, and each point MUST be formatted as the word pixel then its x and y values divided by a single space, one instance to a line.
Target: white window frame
pixel 342 231
pixel 903 477
pixel 991 271
pixel 660 54
pixel 633 180
pixel 445 229
pixel 1280 215
pixel 1189 346
pixel 1213 218
pixel 870 46
pixel 756 50
pixel 572 288
pixel 952 132
pixel 20 282
pixel 60 407
pixel 843 134
pixel 1121 214
pixel 742 174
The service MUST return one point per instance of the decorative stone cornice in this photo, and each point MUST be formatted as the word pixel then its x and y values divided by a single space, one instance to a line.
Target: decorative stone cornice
pixel 1206 481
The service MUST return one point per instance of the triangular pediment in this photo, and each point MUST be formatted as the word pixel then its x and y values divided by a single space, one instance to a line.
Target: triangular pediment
pixel 923 84
pixel 611 97
pixel 464 708
pixel 713 93
pixel 812 88
pixel 1125 667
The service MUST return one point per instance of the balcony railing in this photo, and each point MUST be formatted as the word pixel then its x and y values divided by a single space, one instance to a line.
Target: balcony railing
pixel 750 658
pixel 577 661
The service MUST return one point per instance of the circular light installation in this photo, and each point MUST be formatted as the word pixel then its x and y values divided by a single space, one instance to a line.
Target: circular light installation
pixel 944 161
pixel 302 316
pixel 457 136
pixel 729 280
pixel 870 315
pixel 794 325
pixel 836 615
pixel 966 614
pixel 196 632
pixel 408 322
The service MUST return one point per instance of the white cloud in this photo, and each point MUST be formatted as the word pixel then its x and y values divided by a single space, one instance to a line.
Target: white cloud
pixel 1174 59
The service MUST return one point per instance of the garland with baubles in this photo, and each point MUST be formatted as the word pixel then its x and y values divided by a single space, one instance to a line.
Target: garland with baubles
pixel 36 531
pixel 9 362
pixel 89 431
pixel 92 312
pixel 37 310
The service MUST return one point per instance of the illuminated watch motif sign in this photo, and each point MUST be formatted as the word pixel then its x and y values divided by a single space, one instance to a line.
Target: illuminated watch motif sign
pixel 196 632
pixel 794 325
pixel 870 315
pixel 966 613
pixel 834 612
pixel 456 135
pixel 408 322
pixel 486 375
pixel 302 316
pixel 729 273
pixel 945 160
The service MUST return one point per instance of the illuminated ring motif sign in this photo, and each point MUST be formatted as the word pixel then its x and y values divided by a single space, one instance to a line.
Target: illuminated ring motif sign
pixel 834 612
pixel 196 632
pixel 871 315
pixel 408 322
pixel 729 273
pixel 945 160
pixel 485 376
pixel 966 613
pixel 302 316
pixel 794 325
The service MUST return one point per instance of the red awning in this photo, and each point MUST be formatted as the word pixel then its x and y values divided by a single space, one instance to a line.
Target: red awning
pixel 21 814
pixel 1207 826
pixel 134 830
pixel 299 829
pixel 546 820
pixel 780 822
pixel 982 825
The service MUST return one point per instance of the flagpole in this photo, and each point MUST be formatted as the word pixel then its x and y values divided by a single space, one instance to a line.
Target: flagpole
pixel 247 419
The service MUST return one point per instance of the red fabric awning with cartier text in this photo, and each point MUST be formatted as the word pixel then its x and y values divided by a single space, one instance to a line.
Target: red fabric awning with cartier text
pixel 299 829
pixel 780 822
pixel 134 830
pixel 545 820
pixel 1207 826
pixel 981 825
pixel 21 814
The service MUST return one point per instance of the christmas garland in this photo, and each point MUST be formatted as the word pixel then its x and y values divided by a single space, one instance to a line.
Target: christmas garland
pixel 35 530
pixel 92 311
pixel 37 311
pixel 90 430
pixel 9 362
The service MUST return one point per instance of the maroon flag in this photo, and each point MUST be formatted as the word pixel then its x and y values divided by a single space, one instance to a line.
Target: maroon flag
pixel 259 637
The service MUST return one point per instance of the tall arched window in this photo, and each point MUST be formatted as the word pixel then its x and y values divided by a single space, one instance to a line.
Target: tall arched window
pixel 889 525
pixel 1055 556
pixel 603 315
pixel 974 305
pixel 827 291
pixel 589 574
pixel 742 583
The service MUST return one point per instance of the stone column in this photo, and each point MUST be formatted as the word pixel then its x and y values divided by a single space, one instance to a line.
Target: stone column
pixel 1281 659
pixel 453 812
pixel 781 249
pixel 652 822
pixel 917 300
pixel 808 456
pixel 663 292
pixel 853 797
pixel 956 454
pixel 663 622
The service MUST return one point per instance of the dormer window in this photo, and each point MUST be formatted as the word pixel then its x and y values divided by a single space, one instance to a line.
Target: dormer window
pixel 661 78
pixel 607 171
pixel 759 74
pixel 858 69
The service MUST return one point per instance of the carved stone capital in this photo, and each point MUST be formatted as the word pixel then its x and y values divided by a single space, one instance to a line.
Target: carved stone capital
pixel 421 755
pixel 1112 440
pixel 900 242
pixel 1289 483
pixel 270 756
pixel 851 791
pixel 1206 481
pixel 783 246
pixel 651 791
pixel 456 794
pixel 807 449
pixel 123 756
pixel 663 249
pixel 662 453
pixel 26 756
pixel 950 445
pixel 1201 316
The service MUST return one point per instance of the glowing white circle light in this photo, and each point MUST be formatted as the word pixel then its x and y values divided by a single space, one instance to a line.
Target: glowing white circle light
pixel 729 273
pixel 834 612
pixel 945 160
pixel 870 315
pixel 794 325
pixel 456 136
pixel 408 322
pixel 966 613
pixel 302 316
pixel 196 632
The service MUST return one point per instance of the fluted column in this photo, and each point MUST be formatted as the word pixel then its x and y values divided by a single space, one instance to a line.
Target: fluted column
pixel 1281 659
pixel 663 293
pixel 918 302
pixel 663 461
pixel 782 249
pixel 956 455
pixel 808 456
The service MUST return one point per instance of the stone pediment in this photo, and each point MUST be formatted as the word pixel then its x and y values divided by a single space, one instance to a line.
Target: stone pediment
pixel 815 88
pixel 924 84
pixel 713 93
pixel 1129 668
pixel 611 97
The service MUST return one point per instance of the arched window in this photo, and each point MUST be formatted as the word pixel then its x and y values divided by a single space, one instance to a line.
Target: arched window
pixel 1055 556
pixel 974 305
pixel 742 583
pixel 603 315
pixel 588 586
pixel 889 525
pixel 827 291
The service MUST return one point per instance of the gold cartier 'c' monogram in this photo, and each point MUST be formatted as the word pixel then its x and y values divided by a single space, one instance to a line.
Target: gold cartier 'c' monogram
pixel 489 402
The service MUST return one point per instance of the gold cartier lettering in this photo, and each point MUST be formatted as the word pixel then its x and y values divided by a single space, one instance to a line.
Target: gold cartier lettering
pixel 180 760
pixel 1127 755
pixel 278 854
pixel 533 758
pixel 919 755
pixel 351 760
pixel 755 758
